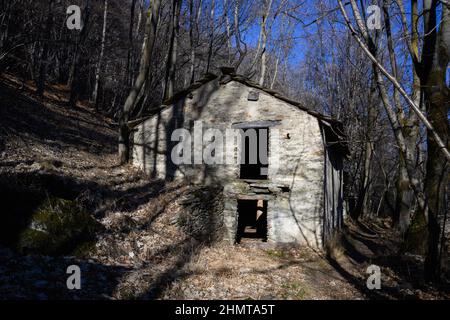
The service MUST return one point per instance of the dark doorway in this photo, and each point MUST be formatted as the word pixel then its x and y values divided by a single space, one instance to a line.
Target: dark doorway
pixel 255 153
pixel 252 220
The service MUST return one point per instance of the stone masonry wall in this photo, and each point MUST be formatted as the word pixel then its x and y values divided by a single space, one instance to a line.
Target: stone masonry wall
pixel 295 188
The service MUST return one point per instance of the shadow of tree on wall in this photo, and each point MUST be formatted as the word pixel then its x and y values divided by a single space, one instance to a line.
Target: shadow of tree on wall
pixel 176 122
pixel 299 218
pixel 327 215
pixel 179 118
pixel 209 173
pixel 206 174
pixel 49 127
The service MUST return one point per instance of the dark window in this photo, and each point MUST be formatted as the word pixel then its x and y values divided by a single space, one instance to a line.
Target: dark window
pixel 255 153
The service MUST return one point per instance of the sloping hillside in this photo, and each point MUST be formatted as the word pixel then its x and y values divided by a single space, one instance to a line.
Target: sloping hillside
pixel 58 172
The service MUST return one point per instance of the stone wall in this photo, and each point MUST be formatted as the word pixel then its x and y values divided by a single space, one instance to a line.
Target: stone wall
pixel 295 186
pixel 202 217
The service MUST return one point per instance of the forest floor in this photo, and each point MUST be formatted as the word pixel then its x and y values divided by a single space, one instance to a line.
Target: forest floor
pixel 140 252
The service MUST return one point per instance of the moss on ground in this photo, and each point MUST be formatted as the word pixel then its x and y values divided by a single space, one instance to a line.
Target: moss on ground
pixel 59 226
pixel 280 254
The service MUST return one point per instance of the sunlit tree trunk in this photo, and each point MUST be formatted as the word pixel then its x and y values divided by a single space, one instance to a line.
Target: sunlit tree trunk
pixel 409 127
pixel 129 68
pixel 150 30
pixel 228 30
pixel 263 67
pixel 237 32
pixel 194 19
pixel 275 73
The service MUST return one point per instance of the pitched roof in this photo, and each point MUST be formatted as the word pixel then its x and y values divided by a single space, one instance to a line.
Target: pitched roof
pixel 228 75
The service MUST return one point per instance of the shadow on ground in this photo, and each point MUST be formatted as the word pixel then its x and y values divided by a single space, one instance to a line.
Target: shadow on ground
pixel 371 243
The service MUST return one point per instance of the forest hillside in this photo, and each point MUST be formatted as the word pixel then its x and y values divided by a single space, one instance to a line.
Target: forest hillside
pixel 95 94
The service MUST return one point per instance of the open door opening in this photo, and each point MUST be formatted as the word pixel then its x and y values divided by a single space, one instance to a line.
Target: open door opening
pixel 252 221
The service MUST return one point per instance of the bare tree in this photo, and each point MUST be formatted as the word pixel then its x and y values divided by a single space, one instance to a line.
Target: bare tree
pixel 102 53
pixel 434 56
pixel 436 95
pixel 173 50
pixel 45 50
pixel 264 18
pixel 74 79
pixel 150 30
pixel 211 35
pixel 228 30
pixel 194 20
pixel 237 32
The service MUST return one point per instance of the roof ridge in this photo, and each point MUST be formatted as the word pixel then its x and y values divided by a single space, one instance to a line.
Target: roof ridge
pixel 228 75
pixel 242 79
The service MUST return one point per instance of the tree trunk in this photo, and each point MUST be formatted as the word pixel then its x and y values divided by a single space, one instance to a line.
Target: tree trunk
pixel 100 59
pixel 396 125
pixel 129 68
pixel 237 33
pixel 361 204
pixel 193 36
pixel 275 73
pixel 150 29
pixel 43 61
pixel 191 41
pixel 211 36
pixel 74 79
pixel 141 13
pixel 227 26
pixel 417 237
pixel 436 95
pixel 263 68
pixel 173 51
pixel 404 199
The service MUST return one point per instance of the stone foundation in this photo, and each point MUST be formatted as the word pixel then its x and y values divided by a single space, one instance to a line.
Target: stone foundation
pixel 203 217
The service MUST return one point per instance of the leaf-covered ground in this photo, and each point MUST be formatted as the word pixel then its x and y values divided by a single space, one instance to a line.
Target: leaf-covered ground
pixel 141 253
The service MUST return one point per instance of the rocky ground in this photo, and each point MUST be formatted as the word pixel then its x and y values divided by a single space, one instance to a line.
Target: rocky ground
pixel 141 251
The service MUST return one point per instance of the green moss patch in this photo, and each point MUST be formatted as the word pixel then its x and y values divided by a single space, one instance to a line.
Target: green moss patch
pixel 59 226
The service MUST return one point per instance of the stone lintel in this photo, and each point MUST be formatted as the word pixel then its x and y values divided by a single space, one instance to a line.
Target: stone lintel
pixel 254 197
pixel 256 124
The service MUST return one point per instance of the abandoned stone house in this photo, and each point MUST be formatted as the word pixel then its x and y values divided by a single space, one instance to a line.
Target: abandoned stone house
pixel 296 197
